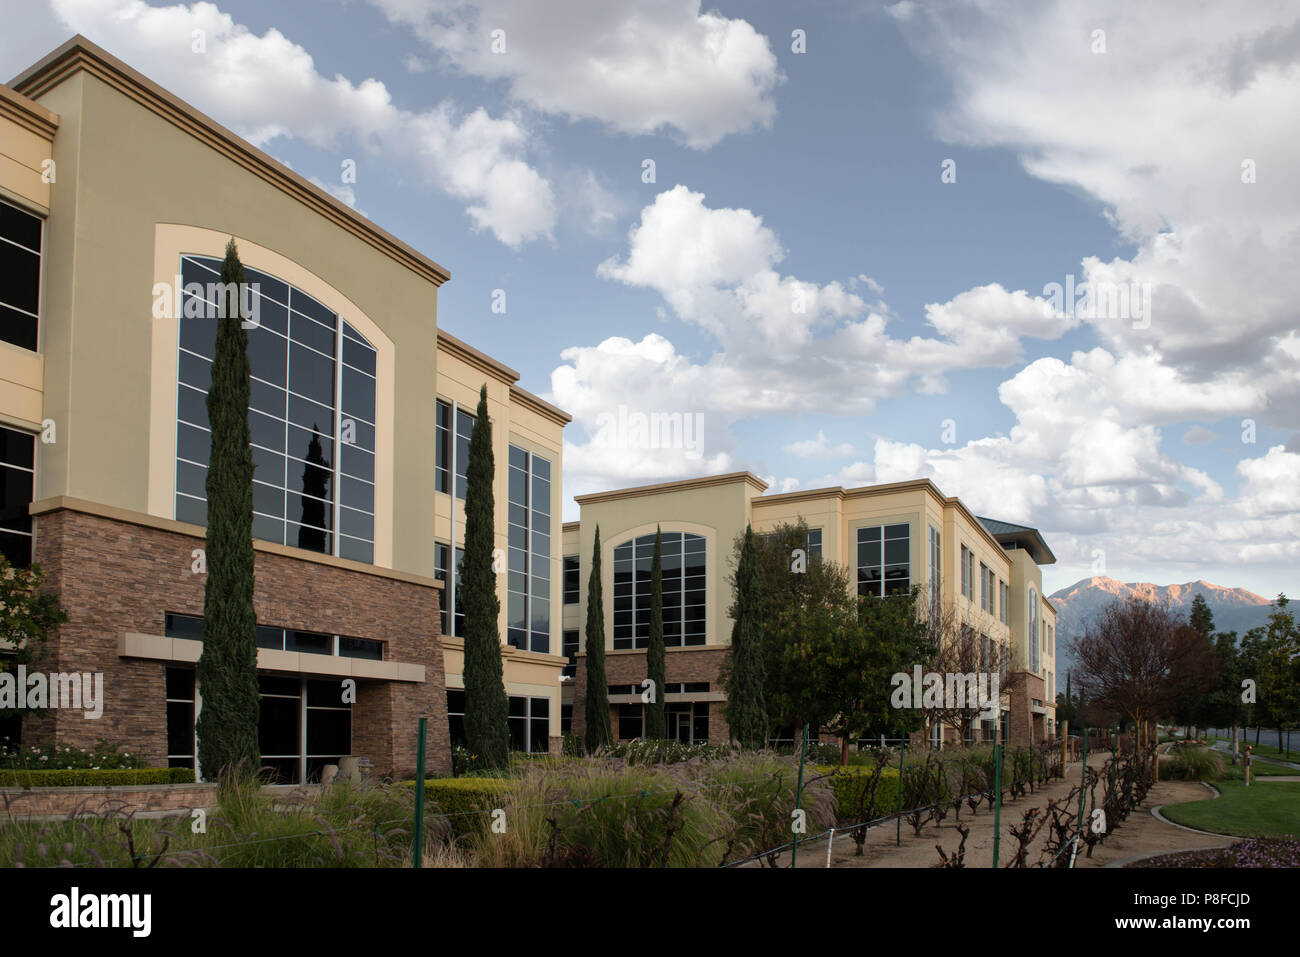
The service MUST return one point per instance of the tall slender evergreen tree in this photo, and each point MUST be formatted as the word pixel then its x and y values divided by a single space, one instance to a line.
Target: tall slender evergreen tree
pixel 656 721
pixel 487 728
pixel 599 732
pixel 746 707
pixel 227 667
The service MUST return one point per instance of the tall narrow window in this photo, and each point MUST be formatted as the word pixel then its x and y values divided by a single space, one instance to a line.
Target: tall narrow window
pixel 528 593
pixel 180 718
pixel 440 555
pixel 936 566
pixel 311 415
pixel 884 560
pixel 966 589
pixel 683 576
pixel 20 276
pixel 442 447
pixel 448 439
pixel 1033 630
pixel 572 578
pixel 456 716
pixel 17 483
pixel 569 648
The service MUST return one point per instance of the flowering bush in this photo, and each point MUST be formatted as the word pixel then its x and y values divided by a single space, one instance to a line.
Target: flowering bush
pixel 1256 852
pixel 52 757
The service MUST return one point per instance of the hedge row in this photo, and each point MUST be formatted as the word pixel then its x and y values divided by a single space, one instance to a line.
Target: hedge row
pixel 463 800
pixel 90 777
pixel 849 785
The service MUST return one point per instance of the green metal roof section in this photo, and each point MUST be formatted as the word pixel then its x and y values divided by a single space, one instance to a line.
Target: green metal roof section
pixel 1020 536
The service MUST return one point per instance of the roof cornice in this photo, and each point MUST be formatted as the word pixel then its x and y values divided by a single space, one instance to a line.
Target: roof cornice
pixel 28 114
pixel 707 481
pixel 540 406
pixel 479 360
pixel 79 55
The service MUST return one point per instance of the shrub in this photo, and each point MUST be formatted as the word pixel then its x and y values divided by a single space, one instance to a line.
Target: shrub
pixel 345 824
pixel 849 784
pixel 606 813
pixel 464 802
pixel 645 751
pixel 1193 764
pixel 92 777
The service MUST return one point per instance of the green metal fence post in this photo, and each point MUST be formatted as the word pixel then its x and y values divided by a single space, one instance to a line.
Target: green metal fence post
pixel 898 836
pixel 1083 787
pixel 417 849
pixel 798 797
pixel 997 802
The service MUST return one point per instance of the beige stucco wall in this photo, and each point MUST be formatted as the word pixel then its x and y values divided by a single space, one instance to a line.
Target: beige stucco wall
pixel 840 515
pixel 25 176
pixel 23 153
pixel 717 512
pixel 122 171
pixel 513 423
pixel 571 544
pixel 22 387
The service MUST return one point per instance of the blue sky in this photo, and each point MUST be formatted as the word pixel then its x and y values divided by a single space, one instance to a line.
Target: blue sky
pixel 799 275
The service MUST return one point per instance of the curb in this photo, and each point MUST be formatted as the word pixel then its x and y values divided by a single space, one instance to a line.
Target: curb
pixel 1142 857
pixel 1155 811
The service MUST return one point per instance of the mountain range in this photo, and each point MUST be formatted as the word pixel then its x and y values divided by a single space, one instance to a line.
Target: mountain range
pixel 1235 609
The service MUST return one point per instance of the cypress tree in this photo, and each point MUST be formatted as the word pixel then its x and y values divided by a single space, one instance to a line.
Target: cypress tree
pixel 656 722
pixel 746 707
pixel 487 728
pixel 1202 617
pixel 599 732
pixel 227 667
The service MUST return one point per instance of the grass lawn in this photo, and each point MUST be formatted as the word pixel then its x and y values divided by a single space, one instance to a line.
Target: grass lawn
pixel 1258 769
pixel 1267 751
pixel 1265 809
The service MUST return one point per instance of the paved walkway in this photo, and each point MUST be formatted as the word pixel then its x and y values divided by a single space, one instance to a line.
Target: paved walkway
pixel 1141 835
pixel 1226 748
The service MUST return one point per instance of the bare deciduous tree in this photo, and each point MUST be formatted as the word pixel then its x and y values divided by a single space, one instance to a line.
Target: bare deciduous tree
pixel 1136 657
pixel 963 650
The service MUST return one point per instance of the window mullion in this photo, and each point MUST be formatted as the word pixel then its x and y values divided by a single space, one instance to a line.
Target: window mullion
pixel 528 558
pixel 338 432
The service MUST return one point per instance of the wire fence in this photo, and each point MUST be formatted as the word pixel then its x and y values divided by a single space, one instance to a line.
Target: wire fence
pixel 330 831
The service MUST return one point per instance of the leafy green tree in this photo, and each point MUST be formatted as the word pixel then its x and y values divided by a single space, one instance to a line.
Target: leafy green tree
pixel 1269 657
pixel 599 732
pixel 656 721
pixel 487 709
pixel 744 669
pixel 829 656
pixel 1223 705
pixel 1201 617
pixel 227 667
pixel 1190 698
pixel 28 616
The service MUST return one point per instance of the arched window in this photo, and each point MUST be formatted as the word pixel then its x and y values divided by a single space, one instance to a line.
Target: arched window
pixel 311 415
pixel 683 559
pixel 1033 629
